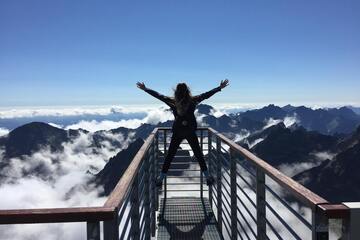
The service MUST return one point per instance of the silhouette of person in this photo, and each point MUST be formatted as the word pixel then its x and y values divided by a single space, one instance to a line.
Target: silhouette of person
pixel 183 105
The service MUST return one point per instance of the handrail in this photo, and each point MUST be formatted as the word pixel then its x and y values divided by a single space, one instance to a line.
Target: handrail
pixel 305 195
pixel 52 215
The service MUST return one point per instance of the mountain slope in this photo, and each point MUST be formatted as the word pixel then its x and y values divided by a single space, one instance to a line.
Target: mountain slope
pixel 116 166
pixel 286 146
pixel 337 180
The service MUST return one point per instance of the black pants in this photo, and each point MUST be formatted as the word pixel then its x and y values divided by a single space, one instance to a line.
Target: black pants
pixel 176 139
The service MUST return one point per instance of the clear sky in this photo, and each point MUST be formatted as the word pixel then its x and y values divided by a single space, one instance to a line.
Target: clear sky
pixel 93 52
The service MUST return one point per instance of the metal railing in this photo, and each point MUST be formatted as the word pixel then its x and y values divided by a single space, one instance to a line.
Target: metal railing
pixel 252 198
pixel 184 176
pixel 248 198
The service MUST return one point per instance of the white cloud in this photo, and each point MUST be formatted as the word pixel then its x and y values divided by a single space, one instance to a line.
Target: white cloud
pixel 315 159
pixel 256 141
pixel 4 131
pixel 56 125
pixel 216 112
pixel 61 111
pixel 324 155
pixel 63 182
pixel 154 116
pixel 288 121
pixel 94 125
pixel 199 119
pixel 242 135
pixel 293 169
pixel 271 122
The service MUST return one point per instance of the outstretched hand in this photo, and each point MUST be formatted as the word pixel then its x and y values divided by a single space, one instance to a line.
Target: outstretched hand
pixel 141 85
pixel 224 83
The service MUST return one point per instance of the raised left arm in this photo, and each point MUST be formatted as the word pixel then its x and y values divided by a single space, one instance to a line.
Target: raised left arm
pixel 155 94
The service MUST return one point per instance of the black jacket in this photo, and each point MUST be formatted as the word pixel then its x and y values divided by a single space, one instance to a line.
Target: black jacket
pixel 188 121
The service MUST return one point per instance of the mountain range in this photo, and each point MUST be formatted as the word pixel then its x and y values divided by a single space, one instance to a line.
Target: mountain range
pixel 282 136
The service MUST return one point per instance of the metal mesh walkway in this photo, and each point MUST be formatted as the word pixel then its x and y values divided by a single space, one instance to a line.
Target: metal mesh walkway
pixel 186 218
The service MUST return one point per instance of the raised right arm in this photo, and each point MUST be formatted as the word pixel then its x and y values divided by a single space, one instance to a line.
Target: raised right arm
pixel 159 96
pixel 155 94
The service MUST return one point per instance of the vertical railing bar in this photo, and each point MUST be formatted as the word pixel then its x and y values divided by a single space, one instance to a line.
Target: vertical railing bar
pixel 260 204
pixel 156 172
pixel 219 190
pixel 201 173
pixel 346 228
pixel 210 166
pixel 147 196
pixel 93 230
pixel 111 229
pixel 153 187
pixel 233 194
pixel 320 225
pixel 135 211
pixel 165 152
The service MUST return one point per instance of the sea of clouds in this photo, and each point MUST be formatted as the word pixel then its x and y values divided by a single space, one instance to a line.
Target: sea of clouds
pixel 65 172
pixel 47 179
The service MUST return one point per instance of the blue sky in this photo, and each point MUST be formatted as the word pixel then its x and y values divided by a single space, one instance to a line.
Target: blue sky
pixel 93 52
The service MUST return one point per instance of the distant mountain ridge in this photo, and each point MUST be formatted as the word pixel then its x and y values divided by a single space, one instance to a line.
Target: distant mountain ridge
pixel 266 135
pixel 31 137
pixel 325 121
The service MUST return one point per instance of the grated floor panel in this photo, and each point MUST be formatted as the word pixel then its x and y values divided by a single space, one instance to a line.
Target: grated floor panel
pixel 186 218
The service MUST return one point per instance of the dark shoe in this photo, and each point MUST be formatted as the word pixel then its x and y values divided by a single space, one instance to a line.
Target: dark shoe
pixel 158 182
pixel 210 180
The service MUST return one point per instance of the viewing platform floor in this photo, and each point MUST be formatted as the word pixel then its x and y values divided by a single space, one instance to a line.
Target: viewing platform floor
pixel 187 218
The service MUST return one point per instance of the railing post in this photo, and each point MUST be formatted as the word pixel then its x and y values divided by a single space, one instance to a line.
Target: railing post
pixel 260 205
pixel 350 224
pixel 210 165
pixel 165 152
pixel 320 225
pixel 111 229
pixel 93 230
pixel 201 173
pixel 218 176
pixel 154 195
pixel 135 210
pixel 156 170
pixel 233 194
pixel 147 196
